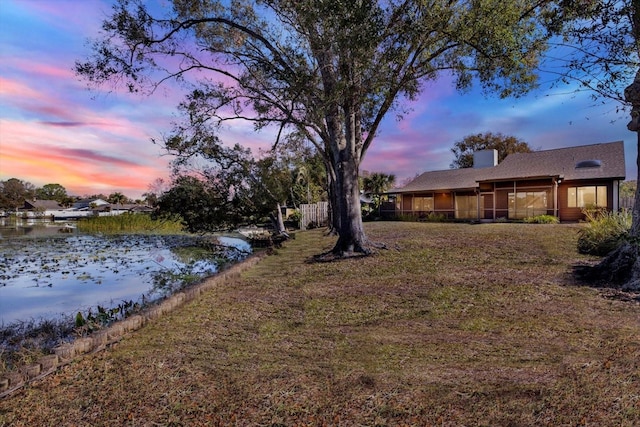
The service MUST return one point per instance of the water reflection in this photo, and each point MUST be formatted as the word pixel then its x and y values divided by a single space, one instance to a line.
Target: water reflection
pixel 45 274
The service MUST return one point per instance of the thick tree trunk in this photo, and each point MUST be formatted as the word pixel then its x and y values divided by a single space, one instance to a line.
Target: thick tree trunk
pixel 621 268
pixel 632 95
pixel 278 221
pixel 635 225
pixel 281 228
pixel 351 234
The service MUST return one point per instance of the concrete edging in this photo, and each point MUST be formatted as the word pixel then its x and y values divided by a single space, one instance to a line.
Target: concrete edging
pixel 100 340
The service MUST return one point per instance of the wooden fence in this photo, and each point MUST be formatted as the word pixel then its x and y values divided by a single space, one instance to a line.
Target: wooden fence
pixel 627 202
pixel 314 215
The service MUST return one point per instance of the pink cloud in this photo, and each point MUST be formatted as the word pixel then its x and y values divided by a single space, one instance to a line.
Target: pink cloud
pixel 40 69
pixel 78 158
pixel 11 88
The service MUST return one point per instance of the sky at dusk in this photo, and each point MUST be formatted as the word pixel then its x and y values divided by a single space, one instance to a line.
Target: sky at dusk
pixel 53 130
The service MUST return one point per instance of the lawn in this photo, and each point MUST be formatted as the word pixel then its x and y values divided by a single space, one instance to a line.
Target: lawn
pixel 451 325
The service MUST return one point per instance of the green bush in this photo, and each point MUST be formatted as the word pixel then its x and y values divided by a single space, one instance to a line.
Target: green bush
pixel 433 217
pixel 542 219
pixel 604 232
pixel 296 216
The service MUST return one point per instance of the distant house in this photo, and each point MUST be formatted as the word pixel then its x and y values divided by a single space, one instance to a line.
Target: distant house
pixel 41 205
pixel 559 182
pixel 88 204
pixel 80 209
pixel 48 209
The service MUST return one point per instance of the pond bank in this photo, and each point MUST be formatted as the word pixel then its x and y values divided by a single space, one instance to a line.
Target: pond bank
pixel 43 277
pixel 104 338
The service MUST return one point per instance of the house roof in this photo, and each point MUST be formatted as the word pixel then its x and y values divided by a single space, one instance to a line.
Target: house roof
pixel 450 179
pixel 598 161
pixel 85 203
pixel 43 204
pixel 562 162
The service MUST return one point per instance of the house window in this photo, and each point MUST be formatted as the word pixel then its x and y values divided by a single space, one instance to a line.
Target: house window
pixel 466 207
pixel 525 204
pixel 581 197
pixel 423 204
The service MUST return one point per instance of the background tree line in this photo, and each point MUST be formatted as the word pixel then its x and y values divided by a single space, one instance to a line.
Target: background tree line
pixel 14 192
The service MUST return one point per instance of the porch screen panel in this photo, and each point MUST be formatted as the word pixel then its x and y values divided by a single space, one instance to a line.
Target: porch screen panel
pixel 423 204
pixel 466 207
pixel 406 202
pixel 525 204
pixel 486 206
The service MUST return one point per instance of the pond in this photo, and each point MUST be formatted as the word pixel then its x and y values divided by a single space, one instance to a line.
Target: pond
pixel 46 274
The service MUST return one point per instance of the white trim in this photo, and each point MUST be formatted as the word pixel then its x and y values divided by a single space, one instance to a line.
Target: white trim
pixel 616 196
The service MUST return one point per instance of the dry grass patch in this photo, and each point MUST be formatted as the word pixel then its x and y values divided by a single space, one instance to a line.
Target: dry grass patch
pixel 452 325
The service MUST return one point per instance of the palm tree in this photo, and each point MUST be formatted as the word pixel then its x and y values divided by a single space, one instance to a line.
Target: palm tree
pixel 376 184
pixel 117 198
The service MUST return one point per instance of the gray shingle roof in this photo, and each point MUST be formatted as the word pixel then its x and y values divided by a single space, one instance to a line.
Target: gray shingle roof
pixel 557 162
pixel 44 204
pixel 449 179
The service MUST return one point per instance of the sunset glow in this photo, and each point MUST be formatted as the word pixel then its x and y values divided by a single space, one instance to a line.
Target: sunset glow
pixel 53 130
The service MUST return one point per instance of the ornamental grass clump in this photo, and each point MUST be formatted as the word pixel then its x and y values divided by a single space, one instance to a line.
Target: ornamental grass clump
pixel 604 232
pixel 542 219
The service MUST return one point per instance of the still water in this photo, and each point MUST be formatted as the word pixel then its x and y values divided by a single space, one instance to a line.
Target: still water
pixel 47 274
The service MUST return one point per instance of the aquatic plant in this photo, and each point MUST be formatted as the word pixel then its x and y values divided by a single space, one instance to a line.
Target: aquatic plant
pixel 129 223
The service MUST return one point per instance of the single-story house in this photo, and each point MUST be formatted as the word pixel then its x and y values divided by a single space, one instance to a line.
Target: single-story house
pixel 559 182
pixel 48 209
pixel 41 205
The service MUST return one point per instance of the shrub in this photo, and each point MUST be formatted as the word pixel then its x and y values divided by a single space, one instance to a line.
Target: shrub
pixel 296 216
pixel 542 219
pixel 434 217
pixel 604 232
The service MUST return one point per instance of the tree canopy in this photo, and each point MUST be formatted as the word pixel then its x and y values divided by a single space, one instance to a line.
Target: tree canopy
pixel 117 198
pixel 600 49
pixel 234 189
pixel 329 71
pixel 463 150
pixel 53 192
pixel 13 193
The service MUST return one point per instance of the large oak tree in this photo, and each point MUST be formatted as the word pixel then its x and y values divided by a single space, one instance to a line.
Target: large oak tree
pixel 329 70
pixel 600 49
pixel 463 150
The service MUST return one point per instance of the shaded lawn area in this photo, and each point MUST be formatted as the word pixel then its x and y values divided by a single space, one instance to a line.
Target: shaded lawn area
pixel 452 325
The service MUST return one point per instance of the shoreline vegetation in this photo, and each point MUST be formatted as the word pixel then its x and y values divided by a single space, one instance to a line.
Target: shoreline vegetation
pixel 129 223
pixel 453 324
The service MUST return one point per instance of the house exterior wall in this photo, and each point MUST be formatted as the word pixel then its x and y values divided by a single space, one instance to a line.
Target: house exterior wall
pixel 496 200
pixel 575 213
pixel 559 182
pixel 501 201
